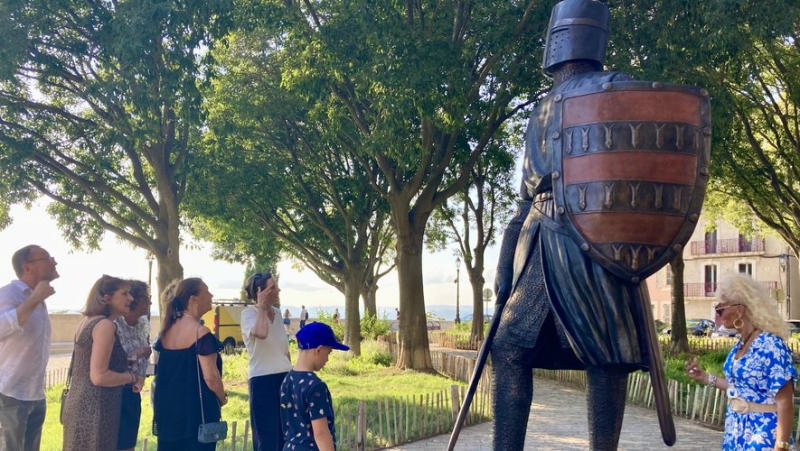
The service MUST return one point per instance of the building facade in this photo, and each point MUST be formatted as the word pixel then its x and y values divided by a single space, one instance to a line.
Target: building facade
pixel 710 255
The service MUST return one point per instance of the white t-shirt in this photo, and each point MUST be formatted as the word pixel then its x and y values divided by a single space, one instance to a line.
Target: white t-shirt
pixel 270 355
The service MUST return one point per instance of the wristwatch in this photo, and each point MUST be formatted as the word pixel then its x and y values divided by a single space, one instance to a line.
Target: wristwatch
pixel 782 444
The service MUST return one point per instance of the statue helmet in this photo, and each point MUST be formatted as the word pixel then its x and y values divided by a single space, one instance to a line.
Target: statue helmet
pixel 578 30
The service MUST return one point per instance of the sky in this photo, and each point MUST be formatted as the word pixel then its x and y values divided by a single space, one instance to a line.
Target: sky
pixel 80 269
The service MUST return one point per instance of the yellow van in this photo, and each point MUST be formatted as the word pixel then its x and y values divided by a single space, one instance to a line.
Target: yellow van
pixel 224 320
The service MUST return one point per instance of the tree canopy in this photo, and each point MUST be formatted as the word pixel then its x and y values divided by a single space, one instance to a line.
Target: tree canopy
pixel 100 106
pixel 747 55
pixel 417 90
pixel 280 161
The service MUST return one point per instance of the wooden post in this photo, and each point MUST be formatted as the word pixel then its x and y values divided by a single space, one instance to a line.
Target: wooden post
pixel 396 425
pixel 361 426
pixel 246 434
pixel 233 436
pixel 454 401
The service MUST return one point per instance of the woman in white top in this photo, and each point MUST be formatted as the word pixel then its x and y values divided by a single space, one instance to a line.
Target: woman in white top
pixel 268 347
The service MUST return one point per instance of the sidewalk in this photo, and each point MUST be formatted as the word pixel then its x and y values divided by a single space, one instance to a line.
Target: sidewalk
pixel 558 422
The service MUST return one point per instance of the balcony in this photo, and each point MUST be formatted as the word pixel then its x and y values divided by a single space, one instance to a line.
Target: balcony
pixel 707 290
pixel 729 246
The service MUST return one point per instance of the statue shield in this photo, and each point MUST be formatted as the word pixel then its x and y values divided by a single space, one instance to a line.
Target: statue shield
pixel 631 165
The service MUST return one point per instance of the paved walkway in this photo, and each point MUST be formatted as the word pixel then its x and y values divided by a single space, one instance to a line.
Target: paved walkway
pixel 558 422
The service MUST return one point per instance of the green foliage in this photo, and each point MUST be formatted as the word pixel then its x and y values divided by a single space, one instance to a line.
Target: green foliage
pixel 327 318
pixel 747 55
pixel 366 378
pixel 408 98
pixel 464 326
pixel 100 111
pixel 372 327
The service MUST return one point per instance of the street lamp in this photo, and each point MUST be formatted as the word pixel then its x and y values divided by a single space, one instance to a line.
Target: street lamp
pixel 150 257
pixel 458 290
pixel 786 266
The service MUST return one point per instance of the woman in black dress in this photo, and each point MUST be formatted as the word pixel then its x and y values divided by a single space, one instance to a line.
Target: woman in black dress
pixel 182 343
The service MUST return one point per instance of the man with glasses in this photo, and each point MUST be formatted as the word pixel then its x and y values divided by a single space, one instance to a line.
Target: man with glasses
pixel 25 348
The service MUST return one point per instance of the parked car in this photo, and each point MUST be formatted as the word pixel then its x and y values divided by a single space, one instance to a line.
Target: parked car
pixel 698 327
pixel 722 332
pixel 794 326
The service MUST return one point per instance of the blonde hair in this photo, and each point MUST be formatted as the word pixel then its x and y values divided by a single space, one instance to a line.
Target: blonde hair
pixel 760 309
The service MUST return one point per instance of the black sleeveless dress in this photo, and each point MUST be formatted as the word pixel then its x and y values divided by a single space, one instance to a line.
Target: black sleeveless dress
pixel 176 397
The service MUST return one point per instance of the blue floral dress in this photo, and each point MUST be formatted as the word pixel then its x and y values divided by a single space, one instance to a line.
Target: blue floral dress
pixel 756 377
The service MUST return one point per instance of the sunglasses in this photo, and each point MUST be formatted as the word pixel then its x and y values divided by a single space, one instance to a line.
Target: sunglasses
pixel 721 308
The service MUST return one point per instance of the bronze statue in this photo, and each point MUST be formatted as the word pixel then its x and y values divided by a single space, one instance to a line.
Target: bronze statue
pixel 613 180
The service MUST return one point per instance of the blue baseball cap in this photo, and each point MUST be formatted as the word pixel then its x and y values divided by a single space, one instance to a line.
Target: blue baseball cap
pixel 318 334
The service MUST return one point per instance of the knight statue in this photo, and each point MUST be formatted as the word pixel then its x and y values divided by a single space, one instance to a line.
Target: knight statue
pixel 613 181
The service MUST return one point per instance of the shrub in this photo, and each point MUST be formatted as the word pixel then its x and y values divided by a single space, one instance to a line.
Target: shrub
pixel 372 327
pixel 338 328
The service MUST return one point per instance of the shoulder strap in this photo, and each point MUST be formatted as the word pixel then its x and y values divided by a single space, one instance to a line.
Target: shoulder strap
pixel 199 386
pixel 69 372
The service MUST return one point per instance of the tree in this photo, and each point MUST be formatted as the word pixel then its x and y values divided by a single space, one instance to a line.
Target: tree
pixel 679 341
pixel 99 109
pixel 277 161
pixel 747 55
pixel 424 87
pixel 487 203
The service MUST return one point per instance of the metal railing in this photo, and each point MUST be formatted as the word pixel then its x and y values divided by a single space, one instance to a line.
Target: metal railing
pixel 708 289
pixel 728 246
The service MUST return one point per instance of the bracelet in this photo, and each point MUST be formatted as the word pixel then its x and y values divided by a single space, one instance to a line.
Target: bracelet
pixel 782 444
pixel 712 381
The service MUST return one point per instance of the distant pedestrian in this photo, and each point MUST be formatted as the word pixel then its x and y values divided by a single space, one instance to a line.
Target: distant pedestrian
pixel 25 348
pixel 397 313
pixel 336 316
pixel 133 332
pixel 287 321
pixel 303 317
pixel 306 404
pixel 269 360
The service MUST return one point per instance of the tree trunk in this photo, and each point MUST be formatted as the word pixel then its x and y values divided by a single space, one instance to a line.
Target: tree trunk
pixel 368 295
pixel 169 269
pixel 477 281
pixel 414 347
pixel 352 293
pixel 679 343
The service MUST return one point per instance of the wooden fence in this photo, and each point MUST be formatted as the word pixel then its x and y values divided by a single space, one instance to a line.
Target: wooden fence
pixel 454 340
pixel 55 377
pixel 237 439
pixel 715 344
pixel 393 421
pixel 695 402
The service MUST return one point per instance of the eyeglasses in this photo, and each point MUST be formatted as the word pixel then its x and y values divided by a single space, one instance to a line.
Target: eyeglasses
pixel 721 308
pixel 52 259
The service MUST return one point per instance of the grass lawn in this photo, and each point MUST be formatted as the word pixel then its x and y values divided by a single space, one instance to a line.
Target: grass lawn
pixel 366 378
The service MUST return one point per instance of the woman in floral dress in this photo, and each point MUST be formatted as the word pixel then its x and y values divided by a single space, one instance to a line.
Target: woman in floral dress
pixel 759 372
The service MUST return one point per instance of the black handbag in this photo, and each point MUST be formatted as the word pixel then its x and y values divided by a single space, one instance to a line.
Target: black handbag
pixel 207 432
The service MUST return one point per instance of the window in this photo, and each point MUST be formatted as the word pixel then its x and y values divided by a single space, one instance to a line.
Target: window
pixel 710 279
pixel 746 268
pixel 666 310
pixel 711 242
pixel 669 276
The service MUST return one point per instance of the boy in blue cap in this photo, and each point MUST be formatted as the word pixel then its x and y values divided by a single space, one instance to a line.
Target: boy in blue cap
pixel 306 404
